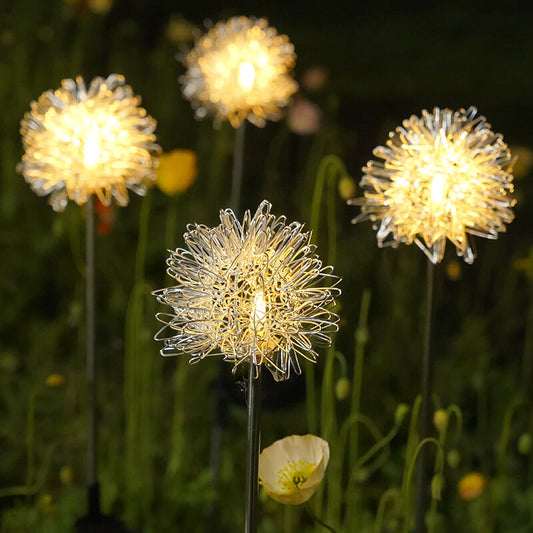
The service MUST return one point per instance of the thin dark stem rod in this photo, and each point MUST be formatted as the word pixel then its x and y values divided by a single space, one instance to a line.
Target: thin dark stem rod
pixel 254 424
pixel 238 163
pixel 316 519
pixel 92 484
pixel 421 487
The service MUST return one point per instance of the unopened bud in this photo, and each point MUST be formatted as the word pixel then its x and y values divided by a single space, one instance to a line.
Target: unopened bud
pixel 66 475
pixel 524 443
pixel 342 388
pixel 361 335
pixel 453 458
pixel 401 412
pixel 437 483
pixel 347 188
pixel 440 419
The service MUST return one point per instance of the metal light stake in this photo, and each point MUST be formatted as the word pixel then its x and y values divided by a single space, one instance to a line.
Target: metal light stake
pixel 92 483
pixel 238 163
pixel 254 424
pixel 421 490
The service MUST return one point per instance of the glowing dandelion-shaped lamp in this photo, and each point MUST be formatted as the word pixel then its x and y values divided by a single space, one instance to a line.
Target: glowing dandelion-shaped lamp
pixel 253 292
pixel 445 175
pixel 81 141
pixel 240 69
pixel 442 176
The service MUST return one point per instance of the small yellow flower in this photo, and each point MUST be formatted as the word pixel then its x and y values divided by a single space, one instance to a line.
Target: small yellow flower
pixel 46 504
pixel 521 264
pixel 66 474
pixel 471 485
pixel 524 160
pixel 180 30
pixel 525 264
pixel 453 270
pixel 55 380
pixel 292 468
pixel 176 172
pixel 100 7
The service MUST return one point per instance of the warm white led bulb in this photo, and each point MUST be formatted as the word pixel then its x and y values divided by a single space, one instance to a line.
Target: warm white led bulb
pixel 246 75
pixel 91 148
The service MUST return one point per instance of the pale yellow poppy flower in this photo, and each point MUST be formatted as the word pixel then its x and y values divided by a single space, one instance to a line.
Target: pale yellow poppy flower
pixel 292 468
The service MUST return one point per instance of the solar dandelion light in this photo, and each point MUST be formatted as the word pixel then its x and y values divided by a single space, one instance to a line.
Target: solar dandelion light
pixel 241 69
pixel 442 176
pixel 254 293
pixel 81 142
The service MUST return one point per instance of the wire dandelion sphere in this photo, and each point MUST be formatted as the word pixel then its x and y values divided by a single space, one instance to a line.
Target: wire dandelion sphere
pixel 240 69
pixel 80 142
pixel 444 175
pixel 254 292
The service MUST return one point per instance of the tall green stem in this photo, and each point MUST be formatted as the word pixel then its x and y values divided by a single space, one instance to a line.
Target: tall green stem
pixel 329 169
pixel 30 438
pixel 361 339
pixel 316 519
pixel 387 496
pixel 170 230
pixel 527 358
pixel 139 384
pixel 406 488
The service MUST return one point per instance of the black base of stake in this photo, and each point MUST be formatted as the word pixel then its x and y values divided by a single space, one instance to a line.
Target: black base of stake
pixel 100 524
pixel 94 521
